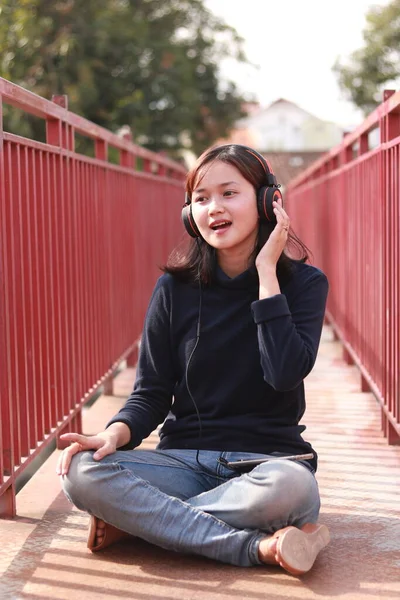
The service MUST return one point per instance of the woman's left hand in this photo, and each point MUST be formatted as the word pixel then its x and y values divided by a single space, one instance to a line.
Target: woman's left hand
pixel 274 246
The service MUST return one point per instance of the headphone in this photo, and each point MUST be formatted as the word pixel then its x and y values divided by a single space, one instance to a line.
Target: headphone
pixel 266 195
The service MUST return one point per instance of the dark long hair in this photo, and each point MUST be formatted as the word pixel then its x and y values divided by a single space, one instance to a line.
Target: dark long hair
pixel 197 258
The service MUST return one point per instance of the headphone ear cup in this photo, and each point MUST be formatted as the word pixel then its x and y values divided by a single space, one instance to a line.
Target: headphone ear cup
pixel 189 222
pixel 265 197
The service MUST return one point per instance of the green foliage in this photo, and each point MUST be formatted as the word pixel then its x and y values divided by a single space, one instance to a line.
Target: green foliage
pixel 377 65
pixel 148 64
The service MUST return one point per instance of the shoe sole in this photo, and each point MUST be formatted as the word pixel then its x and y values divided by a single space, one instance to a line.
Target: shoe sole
pixel 297 549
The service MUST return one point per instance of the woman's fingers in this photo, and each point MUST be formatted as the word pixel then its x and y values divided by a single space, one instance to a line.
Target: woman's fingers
pixel 89 442
pixel 282 217
pixel 59 464
pixel 79 442
pixel 65 459
pixel 104 451
pixel 279 210
pixel 100 443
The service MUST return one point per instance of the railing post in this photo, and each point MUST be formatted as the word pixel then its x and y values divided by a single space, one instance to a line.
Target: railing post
pixel 363 144
pixel 101 149
pixel 7 497
pixel 162 171
pixel 131 360
pixel 108 386
pixel 161 168
pixel 59 133
pixel 126 158
pixel 347 356
pixel 390 129
pixel 147 165
pixel 392 120
pixel 346 155
pixel 8 505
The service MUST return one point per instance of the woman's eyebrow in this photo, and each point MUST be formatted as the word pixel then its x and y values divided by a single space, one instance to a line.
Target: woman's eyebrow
pixel 201 190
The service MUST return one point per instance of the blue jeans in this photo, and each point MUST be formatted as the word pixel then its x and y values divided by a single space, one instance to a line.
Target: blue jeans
pixel 168 499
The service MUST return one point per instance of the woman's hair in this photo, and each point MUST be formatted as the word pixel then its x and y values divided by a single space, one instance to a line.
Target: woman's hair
pixel 198 259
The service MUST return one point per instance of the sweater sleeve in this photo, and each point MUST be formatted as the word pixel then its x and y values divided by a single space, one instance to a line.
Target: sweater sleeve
pixel 289 337
pixel 151 398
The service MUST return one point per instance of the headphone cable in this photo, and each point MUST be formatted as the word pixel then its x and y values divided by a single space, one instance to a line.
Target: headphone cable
pixel 198 329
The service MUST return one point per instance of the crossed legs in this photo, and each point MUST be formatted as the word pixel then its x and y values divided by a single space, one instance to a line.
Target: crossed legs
pixel 167 499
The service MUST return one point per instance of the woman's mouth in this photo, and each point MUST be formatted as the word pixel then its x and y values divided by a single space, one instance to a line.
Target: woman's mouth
pixel 220 226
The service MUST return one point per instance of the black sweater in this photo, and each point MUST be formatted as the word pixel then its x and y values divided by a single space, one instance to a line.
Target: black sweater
pixel 246 374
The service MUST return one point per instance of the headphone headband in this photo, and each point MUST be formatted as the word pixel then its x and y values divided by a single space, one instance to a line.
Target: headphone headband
pixel 269 174
pixel 271 179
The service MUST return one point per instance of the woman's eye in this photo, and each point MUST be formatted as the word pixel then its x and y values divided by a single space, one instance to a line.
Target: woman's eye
pixel 199 199
pixel 229 193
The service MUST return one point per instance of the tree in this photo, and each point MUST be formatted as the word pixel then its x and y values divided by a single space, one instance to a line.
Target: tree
pixel 377 64
pixel 144 63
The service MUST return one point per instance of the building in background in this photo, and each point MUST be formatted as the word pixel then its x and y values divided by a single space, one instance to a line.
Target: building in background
pixel 289 136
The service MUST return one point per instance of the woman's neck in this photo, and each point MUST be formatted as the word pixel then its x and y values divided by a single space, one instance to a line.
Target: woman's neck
pixel 233 265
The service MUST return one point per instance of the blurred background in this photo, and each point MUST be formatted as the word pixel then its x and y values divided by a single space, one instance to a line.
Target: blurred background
pixel 288 77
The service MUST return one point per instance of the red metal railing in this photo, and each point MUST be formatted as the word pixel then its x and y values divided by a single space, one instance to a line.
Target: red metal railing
pixel 81 239
pixel 346 207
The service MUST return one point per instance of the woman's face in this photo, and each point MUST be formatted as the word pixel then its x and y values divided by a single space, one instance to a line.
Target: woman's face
pixel 225 209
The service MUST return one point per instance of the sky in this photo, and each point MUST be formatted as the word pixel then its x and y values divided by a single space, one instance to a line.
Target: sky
pixel 295 43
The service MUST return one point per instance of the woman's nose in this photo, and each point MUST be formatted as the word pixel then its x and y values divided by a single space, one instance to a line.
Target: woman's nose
pixel 215 206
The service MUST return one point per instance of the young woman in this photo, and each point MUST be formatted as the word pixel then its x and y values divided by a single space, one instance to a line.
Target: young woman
pixel 231 331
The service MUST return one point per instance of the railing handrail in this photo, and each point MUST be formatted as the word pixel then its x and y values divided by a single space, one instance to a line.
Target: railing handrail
pixel 33 104
pixel 391 104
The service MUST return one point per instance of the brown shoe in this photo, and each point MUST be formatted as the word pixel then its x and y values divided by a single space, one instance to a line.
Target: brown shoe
pixel 297 549
pixel 111 535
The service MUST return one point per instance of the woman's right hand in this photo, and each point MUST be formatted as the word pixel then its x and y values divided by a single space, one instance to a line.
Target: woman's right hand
pixel 104 443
